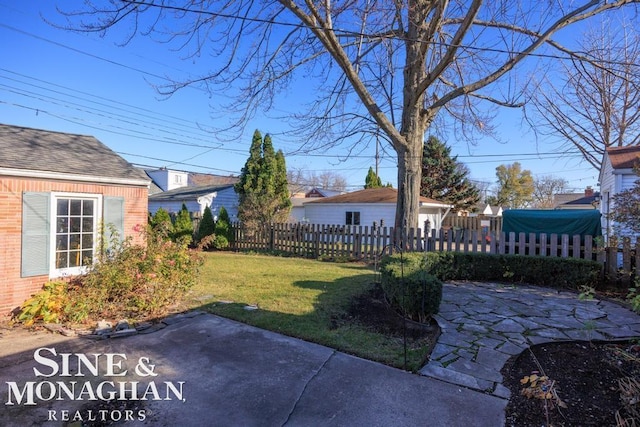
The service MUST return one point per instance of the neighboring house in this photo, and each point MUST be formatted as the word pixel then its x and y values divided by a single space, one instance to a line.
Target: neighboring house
pixel 297 208
pixel 616 175
pixel 587 200
pixel 483 210
pixel 196 199
pixel 298 200
pixel 367 206
pixel 195 190
pixel 322 192
pixel 56 189
pixel 168 179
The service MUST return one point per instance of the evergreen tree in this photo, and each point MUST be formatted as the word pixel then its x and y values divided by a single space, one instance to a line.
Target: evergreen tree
pixel 183 226
pixel 372 180
pixel 251 170
pixel 223 215
pixel 207 226
pixel 161 223
pixel 223 224
pixel 263 190
pixel 444 178
pixel 282 187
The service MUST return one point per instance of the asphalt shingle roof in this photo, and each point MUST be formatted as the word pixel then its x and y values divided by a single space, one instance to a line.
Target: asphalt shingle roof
pixel 42 150
pixel 624 157
pixel 188 193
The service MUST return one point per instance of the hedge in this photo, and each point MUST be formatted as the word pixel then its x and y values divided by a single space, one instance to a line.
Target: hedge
pixel 562 273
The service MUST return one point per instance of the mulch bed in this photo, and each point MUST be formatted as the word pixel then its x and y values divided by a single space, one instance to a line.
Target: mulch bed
pixel 586 384
pixel 372 310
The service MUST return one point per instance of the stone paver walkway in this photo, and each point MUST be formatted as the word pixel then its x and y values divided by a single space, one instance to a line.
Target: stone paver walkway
pixel 484 324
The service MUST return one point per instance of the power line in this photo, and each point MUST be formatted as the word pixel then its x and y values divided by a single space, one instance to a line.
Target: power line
pixel 390 35
pixel 176 120
pixel 172 132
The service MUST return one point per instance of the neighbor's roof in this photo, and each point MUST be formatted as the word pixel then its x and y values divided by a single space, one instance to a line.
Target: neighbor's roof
pixel 585 200
pixel 202 179
pixel 564 198
pixel 188 193
pixel 35 150
pixel 372 195
pixel 623 157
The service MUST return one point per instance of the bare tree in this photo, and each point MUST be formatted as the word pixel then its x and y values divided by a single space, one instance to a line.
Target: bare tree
pixel 388 68
pixel 545 188
pixel 594 105
pixel 302 180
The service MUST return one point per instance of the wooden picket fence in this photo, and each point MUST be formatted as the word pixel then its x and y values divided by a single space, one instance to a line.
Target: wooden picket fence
pixel 368 243
pixel 478 223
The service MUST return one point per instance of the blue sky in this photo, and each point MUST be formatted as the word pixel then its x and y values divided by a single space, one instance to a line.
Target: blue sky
pixel 81 83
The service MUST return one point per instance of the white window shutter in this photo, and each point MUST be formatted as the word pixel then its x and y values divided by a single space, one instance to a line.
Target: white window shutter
pixel 36 226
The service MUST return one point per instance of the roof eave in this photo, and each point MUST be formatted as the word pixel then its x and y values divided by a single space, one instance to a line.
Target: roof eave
pixel 26 173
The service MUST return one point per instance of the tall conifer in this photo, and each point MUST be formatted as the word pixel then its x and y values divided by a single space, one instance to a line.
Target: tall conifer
pixel 444 178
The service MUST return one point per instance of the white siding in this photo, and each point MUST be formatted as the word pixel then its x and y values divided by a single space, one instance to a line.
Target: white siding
pixel 336 213
pixel 612 182
pixel 297 214
pixel 628 181
pixel 227 198
pixel 330 213
pixel 607 189
pixel 433 215
pixel 172 207
pixel 168 179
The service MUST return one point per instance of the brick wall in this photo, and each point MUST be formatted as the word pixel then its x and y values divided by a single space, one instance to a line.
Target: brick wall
pixel 14 290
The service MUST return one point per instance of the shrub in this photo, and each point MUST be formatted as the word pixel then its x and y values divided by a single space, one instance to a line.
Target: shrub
pixel 207 226
pixel 220 242
pixel 161 222
pixel 129 281
pixel 566 273
pixel 411 290
pixel 48 306
pixel 183 226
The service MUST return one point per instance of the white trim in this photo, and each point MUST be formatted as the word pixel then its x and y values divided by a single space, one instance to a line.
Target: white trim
pixel 435 205
pixel 73 271
pixel 624 171
pixel 73 177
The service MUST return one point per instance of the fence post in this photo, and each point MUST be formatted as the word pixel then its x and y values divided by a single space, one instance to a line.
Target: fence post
pixel 565 246
pixel 272 237
pixel 576 246
pixel 554 245
pixel 637 259
pixel 626 261
pixel 612 258
pixel 543 244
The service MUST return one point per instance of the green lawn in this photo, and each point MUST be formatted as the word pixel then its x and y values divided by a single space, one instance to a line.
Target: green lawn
pixel 297 297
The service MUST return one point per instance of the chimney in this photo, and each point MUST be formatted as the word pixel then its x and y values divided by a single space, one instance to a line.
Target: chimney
pixel 588 192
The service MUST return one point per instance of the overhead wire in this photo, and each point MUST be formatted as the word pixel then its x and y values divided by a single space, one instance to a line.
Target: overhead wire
pixel 122 130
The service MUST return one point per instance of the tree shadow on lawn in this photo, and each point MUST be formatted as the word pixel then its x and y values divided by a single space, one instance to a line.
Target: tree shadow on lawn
pixel 349 314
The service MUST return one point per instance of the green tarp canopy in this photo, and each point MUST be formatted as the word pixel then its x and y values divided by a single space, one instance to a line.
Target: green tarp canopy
pixel 585 222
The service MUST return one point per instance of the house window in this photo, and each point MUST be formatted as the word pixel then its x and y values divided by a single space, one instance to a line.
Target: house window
pixel 75 234
pixel 353 218
pixel 60 231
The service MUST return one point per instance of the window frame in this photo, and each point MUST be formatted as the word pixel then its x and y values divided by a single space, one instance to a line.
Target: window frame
pixel 97 219
pixel 354 216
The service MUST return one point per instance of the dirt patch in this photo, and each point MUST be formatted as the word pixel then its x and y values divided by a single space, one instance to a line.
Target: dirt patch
pixel 587 384
pixel 371 310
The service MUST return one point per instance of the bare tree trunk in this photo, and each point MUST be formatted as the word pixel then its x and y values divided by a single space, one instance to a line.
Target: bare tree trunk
pixel 409 175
